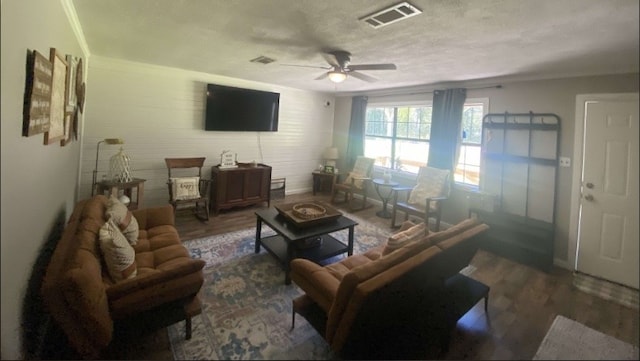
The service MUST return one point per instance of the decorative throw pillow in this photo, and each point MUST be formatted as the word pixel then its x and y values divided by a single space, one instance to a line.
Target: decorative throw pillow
pixel 358 183
pixel 430 184
pixel 124 219
pixel 185 188
pixel 361 169
pixel 404 236
pixel 363 165
pixel 119 256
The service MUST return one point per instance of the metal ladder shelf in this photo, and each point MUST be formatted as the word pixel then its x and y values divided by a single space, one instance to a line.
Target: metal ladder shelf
pixel 520 167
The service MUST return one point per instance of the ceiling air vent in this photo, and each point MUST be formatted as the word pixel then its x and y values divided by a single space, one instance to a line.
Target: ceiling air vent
pixel 262 60
pixel 391 14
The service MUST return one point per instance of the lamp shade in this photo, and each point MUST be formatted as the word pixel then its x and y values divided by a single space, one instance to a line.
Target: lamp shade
pixel 337 76
pixel 113 140
pixel 331 153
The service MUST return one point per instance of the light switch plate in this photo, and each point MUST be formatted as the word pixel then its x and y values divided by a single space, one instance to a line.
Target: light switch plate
pixel 565 162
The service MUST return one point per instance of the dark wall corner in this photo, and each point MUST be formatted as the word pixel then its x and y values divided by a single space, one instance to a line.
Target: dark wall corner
pixel 38 332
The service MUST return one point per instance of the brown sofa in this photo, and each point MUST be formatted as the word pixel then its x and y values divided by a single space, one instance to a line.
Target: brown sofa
pixel 397 305
pixel 88 306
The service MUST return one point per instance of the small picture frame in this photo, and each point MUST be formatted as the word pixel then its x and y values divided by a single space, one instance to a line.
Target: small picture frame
pixel 68 129
pixel 70 86
pixel 329 169
pixel 228 160
pixel 58 103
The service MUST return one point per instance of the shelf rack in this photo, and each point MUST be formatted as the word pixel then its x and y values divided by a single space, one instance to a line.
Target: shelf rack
pixel 520 168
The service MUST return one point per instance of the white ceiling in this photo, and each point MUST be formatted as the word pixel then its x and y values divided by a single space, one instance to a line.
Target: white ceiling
pixel 452 40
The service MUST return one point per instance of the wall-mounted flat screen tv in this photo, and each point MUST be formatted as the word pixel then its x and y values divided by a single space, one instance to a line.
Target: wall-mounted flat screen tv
pixel 238 109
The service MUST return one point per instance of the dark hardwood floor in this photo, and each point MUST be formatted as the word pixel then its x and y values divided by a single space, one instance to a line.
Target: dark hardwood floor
pixel 522 304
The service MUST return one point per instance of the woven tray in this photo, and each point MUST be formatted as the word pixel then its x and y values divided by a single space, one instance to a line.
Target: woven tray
pixel 308 210
pixel 314 218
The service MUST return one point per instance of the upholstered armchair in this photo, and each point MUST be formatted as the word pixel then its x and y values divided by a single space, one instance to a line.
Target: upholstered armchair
pixel 358 181
pixel 425 199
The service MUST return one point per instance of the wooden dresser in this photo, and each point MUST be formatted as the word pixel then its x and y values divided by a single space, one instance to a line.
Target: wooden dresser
pixel 245 185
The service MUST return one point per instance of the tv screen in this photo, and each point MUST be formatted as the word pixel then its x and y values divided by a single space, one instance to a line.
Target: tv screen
pixel 237 109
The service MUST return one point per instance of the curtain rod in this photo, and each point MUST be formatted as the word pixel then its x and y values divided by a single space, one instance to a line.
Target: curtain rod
pixel 499 86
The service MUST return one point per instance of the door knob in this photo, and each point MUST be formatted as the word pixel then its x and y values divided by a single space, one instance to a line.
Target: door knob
pixel 588 197
pixel 590 185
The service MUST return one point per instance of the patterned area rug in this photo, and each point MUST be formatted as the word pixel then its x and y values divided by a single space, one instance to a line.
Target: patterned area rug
pixel 571 340
pixel 607 290
pixel 246 305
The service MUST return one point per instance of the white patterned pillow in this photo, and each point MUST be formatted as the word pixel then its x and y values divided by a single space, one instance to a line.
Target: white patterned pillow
pixel 360 170
pixel 407 233
pixel 430 184
pixel 185 188
pixel 353 178
pixel 363 165
pixel 119 256
pixel 124 219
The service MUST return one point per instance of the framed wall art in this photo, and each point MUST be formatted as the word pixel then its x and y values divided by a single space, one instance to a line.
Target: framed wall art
pixel 57 109
pixel 80 85
pixel 80 94
pixel 37 94
pixel 75 127
pixel 68 129
pixel 70 85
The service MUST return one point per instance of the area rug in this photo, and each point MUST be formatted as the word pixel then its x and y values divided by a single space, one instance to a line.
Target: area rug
pixel 246 305
pixel 571 340
pixel 607 290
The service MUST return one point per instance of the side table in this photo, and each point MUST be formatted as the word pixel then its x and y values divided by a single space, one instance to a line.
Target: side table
pixel 384 195
pixel 323 180
pixel 113 188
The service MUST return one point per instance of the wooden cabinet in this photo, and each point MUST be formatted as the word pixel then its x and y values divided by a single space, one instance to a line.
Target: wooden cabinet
pixel 245 185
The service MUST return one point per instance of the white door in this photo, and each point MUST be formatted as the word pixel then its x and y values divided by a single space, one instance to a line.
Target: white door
pixel 608 225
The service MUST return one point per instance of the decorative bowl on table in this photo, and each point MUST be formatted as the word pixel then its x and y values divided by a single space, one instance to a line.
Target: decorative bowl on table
pixel 308 210
pixel 307 214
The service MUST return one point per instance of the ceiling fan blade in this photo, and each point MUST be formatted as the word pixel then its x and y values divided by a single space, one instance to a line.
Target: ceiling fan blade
pixel 331 59
pixel 308 66
pixel 362 76
pixel 373 67
pixel 324 75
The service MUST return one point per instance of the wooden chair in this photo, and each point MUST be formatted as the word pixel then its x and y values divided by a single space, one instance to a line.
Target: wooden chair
pixel 188 189
pixel 425 199
pixel 358 181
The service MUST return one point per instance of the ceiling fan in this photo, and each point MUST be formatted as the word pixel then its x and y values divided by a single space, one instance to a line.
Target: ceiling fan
pixel 340 67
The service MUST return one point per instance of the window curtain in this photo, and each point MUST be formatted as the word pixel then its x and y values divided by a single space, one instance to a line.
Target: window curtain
pixel 355 145
pixel 446 128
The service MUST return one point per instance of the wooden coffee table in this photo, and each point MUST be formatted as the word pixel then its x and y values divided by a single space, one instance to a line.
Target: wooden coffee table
pixel 282 245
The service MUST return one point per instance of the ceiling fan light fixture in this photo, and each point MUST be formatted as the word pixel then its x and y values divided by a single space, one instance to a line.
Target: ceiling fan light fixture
pixel 337 76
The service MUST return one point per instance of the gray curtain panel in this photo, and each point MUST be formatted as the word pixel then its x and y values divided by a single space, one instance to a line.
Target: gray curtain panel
pixel 355 146
pixel 446 127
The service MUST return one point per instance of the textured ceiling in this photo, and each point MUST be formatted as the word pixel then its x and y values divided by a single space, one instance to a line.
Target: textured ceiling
pixel 452 40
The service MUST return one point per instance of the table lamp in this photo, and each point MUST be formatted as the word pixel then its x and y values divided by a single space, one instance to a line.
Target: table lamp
pixel 330 155
pixel 110 141
pixel 119 170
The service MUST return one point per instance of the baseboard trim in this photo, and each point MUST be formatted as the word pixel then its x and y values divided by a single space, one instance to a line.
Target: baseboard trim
pixel 562 264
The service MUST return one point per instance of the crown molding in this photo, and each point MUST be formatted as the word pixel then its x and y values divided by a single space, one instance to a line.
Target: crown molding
pixel 72 16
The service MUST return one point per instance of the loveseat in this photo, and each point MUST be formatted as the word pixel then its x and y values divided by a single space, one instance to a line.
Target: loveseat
pixel 85 301
pixel 397 303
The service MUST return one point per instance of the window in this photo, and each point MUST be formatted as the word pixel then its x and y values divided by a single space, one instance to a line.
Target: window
pixel 397 136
